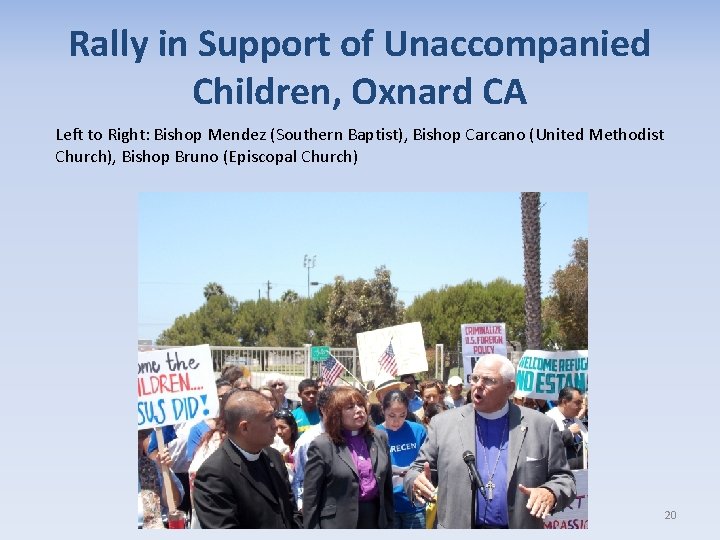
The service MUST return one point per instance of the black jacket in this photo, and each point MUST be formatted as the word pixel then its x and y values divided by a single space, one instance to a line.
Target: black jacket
pixel 227 496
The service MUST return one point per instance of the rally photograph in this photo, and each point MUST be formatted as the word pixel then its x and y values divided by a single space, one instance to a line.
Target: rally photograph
pixel 363 360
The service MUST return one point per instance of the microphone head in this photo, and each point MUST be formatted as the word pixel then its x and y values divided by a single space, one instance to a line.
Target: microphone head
pixel 468 457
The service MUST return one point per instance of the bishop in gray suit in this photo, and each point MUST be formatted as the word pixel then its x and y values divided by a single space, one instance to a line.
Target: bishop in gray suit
pixel 517 452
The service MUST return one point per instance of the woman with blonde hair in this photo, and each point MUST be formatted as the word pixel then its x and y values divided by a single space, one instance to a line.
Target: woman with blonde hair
pixel 348 475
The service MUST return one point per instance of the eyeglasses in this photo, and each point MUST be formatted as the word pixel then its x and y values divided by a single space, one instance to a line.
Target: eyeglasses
pixel 278 385
pixel 487 382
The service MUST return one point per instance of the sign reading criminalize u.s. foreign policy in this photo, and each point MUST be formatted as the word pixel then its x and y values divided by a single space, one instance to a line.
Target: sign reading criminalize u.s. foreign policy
pixel 175 385
pixel 479 339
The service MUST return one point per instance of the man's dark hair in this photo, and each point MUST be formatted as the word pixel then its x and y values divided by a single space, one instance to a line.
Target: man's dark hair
pixel 232 373
pixel 432 383
pixel 566 394
pixel 242 406
pixel 323 397
pixel 408 375
pixel 395 396
pixel 306 383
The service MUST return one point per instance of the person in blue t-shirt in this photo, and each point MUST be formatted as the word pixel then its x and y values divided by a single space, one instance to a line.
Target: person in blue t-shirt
pixel 405 439
pixel 307 414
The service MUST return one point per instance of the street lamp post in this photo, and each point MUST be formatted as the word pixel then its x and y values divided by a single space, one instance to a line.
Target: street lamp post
pixel 309 263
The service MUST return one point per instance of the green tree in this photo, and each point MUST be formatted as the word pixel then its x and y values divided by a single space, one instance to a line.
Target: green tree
pixel 361 305
pixel 212 323
pixel 288 322
pixel 255 322
pixel 530 207
pixel 316 314
pixel 290 297
pixel 213 289
pixel 567 307
pixel 442 312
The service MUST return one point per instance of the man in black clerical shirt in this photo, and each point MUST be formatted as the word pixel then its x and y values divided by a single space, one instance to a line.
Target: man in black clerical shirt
pixel 244 484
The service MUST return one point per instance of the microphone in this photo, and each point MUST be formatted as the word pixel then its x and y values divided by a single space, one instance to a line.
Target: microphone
pixel 469 459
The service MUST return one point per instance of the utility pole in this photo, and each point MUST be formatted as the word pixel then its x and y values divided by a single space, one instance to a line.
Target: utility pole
pixel 309 262
pixel 268 290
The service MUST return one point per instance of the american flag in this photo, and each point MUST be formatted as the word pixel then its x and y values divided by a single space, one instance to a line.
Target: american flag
pixel 387 361
pixel 331 370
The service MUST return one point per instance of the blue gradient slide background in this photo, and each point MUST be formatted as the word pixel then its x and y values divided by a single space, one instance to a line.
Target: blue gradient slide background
pixel 69 233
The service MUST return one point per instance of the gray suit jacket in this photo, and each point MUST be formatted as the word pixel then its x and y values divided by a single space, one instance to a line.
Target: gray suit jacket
pixel 536 457
pixel 331 489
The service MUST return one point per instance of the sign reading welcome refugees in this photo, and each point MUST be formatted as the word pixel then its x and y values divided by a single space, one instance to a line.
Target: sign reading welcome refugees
pixel 175 385
pixel 542 374
pixel 479 339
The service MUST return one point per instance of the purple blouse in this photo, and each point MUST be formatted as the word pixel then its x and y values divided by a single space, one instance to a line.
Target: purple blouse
pixel 361 457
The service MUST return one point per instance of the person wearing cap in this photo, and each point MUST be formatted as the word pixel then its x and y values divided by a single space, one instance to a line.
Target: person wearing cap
pixel 456 398
pixel 517 454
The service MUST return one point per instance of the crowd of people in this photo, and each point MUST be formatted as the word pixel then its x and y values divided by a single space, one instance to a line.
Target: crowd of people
pixel 345 458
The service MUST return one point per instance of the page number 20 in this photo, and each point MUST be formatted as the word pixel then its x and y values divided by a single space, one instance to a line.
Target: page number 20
pixel 670 514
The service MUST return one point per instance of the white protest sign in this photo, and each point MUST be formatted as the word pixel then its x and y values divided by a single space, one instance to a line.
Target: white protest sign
pixel 479 339
pixel 408 345
pixel 574 516
pixel 542 374
pixel 175 385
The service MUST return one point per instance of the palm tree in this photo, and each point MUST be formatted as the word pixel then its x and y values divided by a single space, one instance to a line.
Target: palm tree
pixel 213 289
pixel 290 297
pixel 530 206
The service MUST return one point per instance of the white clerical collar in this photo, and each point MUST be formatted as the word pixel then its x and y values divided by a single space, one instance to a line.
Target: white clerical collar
pixel 495 415
pixel 248 455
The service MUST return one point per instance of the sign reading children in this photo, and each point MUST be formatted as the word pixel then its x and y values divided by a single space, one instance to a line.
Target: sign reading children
pixel 175 385
pixel 542 374
pixel 479 339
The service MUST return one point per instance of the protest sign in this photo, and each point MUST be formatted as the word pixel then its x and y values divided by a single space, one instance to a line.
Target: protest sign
pixel 407 344
pixel 542 374
pixel 479 339
pixel 175 385
pixel 574 516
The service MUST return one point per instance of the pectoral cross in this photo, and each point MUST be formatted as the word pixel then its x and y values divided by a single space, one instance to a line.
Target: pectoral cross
pixel 489 487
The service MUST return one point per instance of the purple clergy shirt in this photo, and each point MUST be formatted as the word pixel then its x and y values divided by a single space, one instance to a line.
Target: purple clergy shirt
pixel 495 438
pixel 361 457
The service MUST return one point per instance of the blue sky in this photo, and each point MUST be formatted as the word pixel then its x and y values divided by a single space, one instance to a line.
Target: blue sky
pixel 427 240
